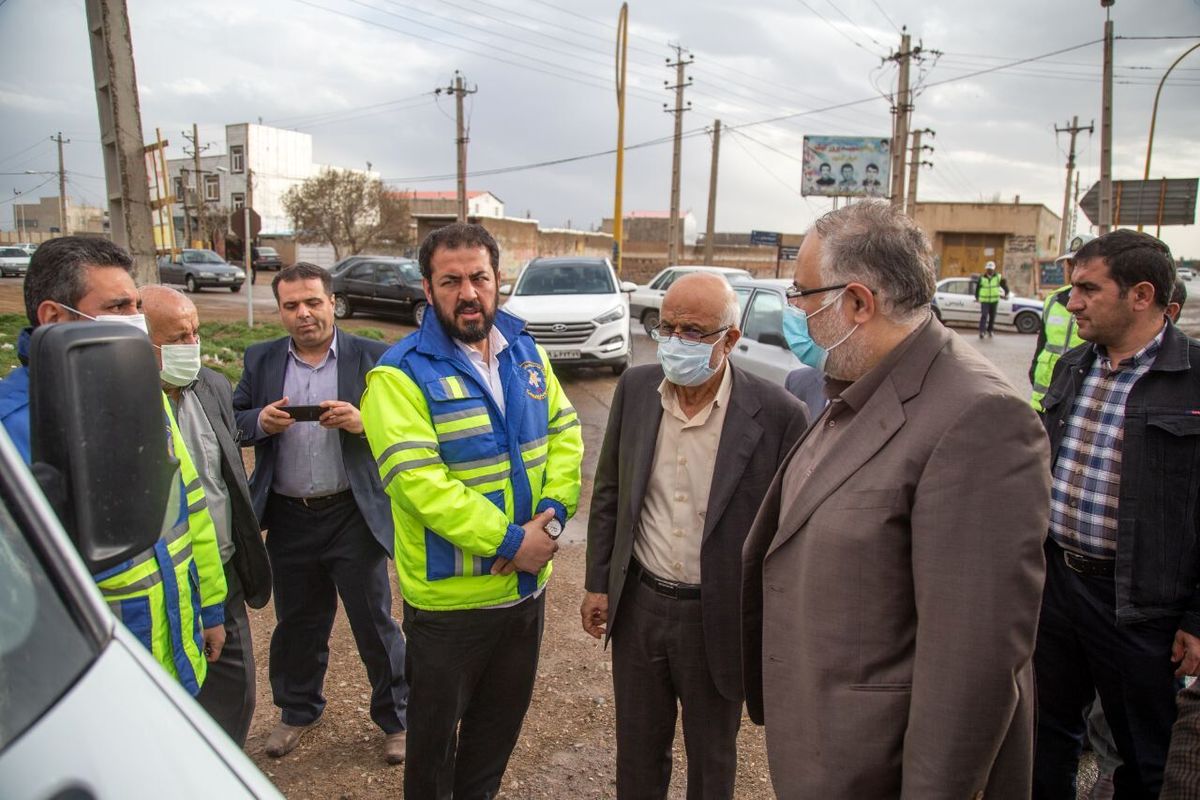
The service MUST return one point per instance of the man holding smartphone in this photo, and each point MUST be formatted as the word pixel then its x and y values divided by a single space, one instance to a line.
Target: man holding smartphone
pixel 317 492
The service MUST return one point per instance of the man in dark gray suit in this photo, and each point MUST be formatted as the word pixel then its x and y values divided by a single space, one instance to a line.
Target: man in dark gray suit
pixel 329 525
pixel 203 407
pixel 686 460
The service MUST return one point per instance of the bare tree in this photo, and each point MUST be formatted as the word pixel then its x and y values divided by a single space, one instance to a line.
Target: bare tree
pixel 214 223
pixel 349 210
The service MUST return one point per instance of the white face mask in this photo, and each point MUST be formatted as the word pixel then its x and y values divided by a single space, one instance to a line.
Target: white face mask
pixel 180 363
pixel 136 320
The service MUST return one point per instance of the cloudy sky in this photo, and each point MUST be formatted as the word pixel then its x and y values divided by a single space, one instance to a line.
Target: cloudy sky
pixel 359 76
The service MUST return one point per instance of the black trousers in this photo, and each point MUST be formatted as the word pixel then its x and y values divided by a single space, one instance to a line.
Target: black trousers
pixel 472 675
pixel 228 692
pixel 660 663
pixel 987 317
pixel 317 556
pixel 1081 651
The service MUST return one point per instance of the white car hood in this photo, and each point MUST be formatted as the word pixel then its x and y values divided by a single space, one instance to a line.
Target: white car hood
pixel 563 307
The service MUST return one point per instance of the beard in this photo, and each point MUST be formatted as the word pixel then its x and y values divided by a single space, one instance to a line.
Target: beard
pixel 846 361
pixel 466 332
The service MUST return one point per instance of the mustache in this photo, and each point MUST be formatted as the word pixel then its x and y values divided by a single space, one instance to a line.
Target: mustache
pixel 464 306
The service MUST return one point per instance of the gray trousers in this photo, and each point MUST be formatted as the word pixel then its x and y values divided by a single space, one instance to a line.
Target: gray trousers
pixel 228 692
pixel 659 664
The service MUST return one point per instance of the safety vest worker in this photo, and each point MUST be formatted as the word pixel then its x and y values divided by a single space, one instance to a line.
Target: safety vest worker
pixel 464 474
pixel 1059 334
pixel 989 286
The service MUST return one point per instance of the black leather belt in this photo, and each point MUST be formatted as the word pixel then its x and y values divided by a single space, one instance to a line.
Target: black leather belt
pixel 318 503
pixel 676 591
pixel 1092 567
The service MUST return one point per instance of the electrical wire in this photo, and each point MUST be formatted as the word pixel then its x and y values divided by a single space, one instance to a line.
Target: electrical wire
pixel 885 16
pixel 838 9
pixel 840 32
pixel 19 195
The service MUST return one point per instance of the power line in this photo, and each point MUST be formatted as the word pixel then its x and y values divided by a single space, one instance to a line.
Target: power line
pixel 895 27
pixel 18 195
pixel 855 24
pixel 999 67
pixel 287 121
pixel 840 32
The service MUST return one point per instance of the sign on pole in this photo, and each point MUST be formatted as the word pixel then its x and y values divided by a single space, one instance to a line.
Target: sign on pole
pixel 846 166
pixel 237 223
pixel 1166 201
pixel 764 238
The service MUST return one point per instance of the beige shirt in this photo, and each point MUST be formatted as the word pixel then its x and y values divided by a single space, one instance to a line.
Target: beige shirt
pixel 671 527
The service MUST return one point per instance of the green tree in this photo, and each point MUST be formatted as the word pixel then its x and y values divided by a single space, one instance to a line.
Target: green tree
pixel 348 210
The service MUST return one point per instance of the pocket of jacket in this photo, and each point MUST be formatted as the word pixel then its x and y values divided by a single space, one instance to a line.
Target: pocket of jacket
pixel 890 688
pixel 135 614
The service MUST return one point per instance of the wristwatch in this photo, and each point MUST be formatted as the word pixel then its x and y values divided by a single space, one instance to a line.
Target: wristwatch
pixel 554 528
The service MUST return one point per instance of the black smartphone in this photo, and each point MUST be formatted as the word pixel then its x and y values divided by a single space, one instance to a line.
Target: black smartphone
pixel 304 413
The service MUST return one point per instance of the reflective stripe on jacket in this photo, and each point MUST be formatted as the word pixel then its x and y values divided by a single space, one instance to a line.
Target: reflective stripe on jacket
pixel 989 288
pixel 463 477
pixel 1061 336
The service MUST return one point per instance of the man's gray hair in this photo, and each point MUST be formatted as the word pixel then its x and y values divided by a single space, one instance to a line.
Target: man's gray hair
pixel 874 244
pixel 733 310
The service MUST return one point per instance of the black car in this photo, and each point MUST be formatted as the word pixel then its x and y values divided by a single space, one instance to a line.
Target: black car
pixel 197 269
pixel 380 285
pixel 265 258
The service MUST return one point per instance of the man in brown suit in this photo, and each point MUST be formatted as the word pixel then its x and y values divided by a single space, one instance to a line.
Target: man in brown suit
pixel 892 578
pixel 691 447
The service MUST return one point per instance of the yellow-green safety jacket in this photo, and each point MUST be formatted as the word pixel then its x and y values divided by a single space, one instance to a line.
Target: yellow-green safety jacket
pixel 167 594
pixel 1060 335
pixel 989 288
pixel 462 476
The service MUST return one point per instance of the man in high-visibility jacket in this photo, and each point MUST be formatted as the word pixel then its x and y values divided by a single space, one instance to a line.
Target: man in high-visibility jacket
pixel 1058 333
pixel 479 450
pixel 988 291
pixel 171 595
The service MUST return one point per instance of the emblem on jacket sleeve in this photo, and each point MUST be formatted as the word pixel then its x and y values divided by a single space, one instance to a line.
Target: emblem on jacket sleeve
pixel 535 380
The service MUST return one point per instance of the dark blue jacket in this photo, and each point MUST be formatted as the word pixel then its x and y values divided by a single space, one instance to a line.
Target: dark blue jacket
pixel 1158 530
pixel 262 384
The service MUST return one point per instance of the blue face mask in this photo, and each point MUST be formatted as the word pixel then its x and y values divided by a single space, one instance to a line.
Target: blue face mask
pixel 686 364
pixel 800 341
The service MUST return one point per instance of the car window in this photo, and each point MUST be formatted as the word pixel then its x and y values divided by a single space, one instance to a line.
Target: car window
pixel 740 275
pixel 386 275
pixel 42 650
pixel 409 271
pixel 765 315
pixel 12 251
pixel 201 257
pixel 957 287
pixel 554 279
pixel 362 272
pixel 267 252
pixel 743 296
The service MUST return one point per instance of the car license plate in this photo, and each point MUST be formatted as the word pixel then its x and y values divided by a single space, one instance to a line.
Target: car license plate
pixel 226 279
pixel 563 355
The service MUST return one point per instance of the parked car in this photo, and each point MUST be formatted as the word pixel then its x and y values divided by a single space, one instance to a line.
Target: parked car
pixel 263 258
pixel 1185 273
pixel 76 680
pixel 380 285
pixel 646 302
pixel 198 269
pixel 14 261
pixel 955 302
pixel 762 350
pixel 576 309
pixel 350 261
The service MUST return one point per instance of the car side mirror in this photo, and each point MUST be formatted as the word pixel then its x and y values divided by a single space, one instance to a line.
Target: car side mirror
pixel 772 338
pixel 99 436
pixel 628 286
pixel 506 289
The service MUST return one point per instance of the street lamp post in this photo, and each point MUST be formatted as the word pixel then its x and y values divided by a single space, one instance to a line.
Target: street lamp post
pixel 1154 117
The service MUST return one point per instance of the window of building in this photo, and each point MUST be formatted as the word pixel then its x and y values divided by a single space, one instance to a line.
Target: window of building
pixel 237 158
pixel 239 201
pixel 179 198
pixel 212 188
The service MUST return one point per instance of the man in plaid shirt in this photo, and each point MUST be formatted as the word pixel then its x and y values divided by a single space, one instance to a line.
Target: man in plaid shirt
pixel 1121 610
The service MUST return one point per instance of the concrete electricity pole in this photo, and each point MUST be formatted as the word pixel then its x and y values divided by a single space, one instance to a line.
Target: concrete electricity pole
pixel 62 185
pixel 901 111
pixel 459 90
pixel 121 140
pixel 673 237
pixel 1105 206
pixel 198 177
pixel 1065 230
pixel 915 168
pixel 710 228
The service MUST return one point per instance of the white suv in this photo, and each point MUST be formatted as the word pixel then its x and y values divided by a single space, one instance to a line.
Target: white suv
pixel 576 309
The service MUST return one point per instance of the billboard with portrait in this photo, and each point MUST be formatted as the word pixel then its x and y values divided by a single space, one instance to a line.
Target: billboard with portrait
pixel 846 166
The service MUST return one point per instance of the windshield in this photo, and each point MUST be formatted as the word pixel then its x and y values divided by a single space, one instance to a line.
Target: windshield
pixel 267 251
pixel 201 257
pixel 42 650
pixel 569 278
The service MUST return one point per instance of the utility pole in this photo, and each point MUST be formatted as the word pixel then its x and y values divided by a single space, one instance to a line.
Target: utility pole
pixel 459 90
pixel 121 140
pixel 1074 129
pixel 1105 205
pixel 915 166
pixel 679 64
pixel 198 177
pixel 618 195
pixel 62 185
pixel 901 111
pixel 710 229
pixel 1075 216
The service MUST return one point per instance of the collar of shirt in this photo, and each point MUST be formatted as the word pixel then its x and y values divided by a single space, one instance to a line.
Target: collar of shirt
pixel 1146 354
pixel 855 394
pixel 670 402
pixel 330 353
pixel 496 345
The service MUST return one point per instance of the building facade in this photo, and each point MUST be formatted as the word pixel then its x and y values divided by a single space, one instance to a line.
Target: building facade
pixel 479 204
pixel 42 217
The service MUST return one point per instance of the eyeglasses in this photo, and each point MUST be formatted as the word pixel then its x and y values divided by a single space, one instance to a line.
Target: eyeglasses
pixel 688 336
pixel 794 292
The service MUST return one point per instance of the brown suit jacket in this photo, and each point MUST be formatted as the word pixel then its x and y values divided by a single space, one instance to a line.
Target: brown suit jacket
pixel 762 422
pixel 889 617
